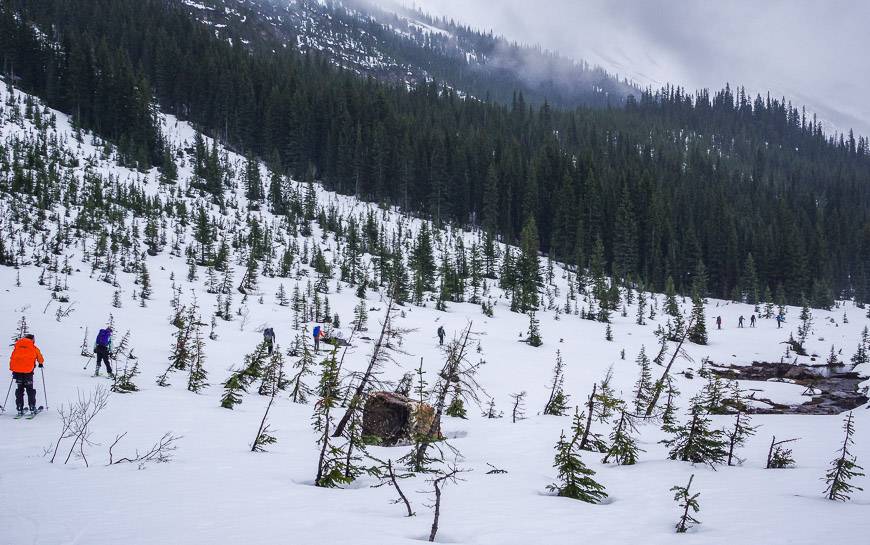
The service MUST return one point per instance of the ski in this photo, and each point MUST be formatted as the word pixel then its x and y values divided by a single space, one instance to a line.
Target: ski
pixel 32 415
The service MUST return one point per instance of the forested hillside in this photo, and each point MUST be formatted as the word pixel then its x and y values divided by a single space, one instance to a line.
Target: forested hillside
pixel 408 47
pixel 748 190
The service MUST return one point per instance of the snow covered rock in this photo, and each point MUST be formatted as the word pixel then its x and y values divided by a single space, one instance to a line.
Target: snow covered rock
pixel 396 419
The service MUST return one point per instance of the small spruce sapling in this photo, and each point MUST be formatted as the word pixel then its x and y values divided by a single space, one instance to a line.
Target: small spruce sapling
pixel 264 432
pixel 456 409
pixel 197 378
pixel 239 381
pixel 557 403
pixel 607 402
pixel 491 410
pixel 778 456
pixel 861 355
pixel 843 468
pixel 588 440
pixel 299 390
pixel 738 435
pixel 643 388
pixel 806 325
pixel 575 480
pixel 330 462
pixel 534 338
pixel 623 446
pixel 695 442
pixel 518 411
pixel 687 501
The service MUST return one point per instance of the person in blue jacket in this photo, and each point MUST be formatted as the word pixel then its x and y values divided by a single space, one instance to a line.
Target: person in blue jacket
pixel 316 334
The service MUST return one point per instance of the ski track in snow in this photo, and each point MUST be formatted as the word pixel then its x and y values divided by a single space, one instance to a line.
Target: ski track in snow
pixel 216 491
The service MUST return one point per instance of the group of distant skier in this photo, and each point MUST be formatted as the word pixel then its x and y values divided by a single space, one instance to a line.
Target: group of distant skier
pixel 26 356
pixel 780 319
pixel 269 338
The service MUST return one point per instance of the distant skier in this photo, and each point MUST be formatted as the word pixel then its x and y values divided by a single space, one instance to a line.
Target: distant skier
pixel 269 339
pixel 779 320
pixel 740 322
pixel 441 334
pixel 718 322
pixel 316 334
pixel 752 321
pixel 103 349
pixel 22 363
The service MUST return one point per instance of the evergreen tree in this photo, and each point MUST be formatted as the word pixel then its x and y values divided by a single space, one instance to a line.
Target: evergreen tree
pixel 330 464
pixel 861 356
pixel 695 442
pixel 832 360
pixel 606 401
pixel 528 268
pixel 423 264
pixel 534 338
pixel 253 182
pixel 698 330
pixel 625 239
pixel 623 447
pixel 749 281
pixel 197 377
pixel 144 282
pixel 264 432
pixel 557 403
pixel 641 307
pixel 239 381
pixel 778 456
pixel 844 468
pixel 456 409
pixel 712 396
pixel 806 318
pixel 299 390
pixel 672 308
pixel 669 414
pixel 643 388
pixel 687 501
pixel 738 435
pixel 179 358
pixel 575 479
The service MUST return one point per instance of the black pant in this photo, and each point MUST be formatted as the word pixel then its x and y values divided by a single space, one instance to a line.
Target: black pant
pixel 24 381
pixel 103 356
pixel 269 346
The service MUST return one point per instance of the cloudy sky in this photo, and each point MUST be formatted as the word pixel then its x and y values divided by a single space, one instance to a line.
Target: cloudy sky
pixel 814 52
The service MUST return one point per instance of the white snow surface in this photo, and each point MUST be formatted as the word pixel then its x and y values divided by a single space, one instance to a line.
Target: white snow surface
pixel 215 491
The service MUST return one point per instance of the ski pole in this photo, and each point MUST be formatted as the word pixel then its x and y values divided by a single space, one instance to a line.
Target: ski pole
pixel 44 393
pixel 87 363
pixel 3 407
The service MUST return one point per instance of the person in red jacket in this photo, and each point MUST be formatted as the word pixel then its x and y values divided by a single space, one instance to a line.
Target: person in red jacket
pixel 22 363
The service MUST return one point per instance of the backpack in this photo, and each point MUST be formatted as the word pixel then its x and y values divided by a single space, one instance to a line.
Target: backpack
pixel 317 331
pixel 268 333
pixel 104 337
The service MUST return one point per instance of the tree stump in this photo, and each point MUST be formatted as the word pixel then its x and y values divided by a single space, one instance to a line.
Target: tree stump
pixel 395 419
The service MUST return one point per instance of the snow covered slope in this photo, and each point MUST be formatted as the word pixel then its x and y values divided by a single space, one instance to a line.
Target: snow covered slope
pixel 215 490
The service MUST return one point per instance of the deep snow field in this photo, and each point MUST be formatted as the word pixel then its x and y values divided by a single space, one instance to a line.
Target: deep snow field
pixel 215 491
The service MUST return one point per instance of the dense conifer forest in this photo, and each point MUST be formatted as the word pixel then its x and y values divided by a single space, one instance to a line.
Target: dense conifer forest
pixel 747 192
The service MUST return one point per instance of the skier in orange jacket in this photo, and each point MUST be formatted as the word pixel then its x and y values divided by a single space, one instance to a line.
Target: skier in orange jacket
pixel 25 356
